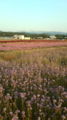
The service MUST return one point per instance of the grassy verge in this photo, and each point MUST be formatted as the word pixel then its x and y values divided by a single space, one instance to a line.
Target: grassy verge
pixel 54 55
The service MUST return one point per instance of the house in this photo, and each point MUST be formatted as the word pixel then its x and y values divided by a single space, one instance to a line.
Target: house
pixel 21 37
pixel 27 38
pixel 40 38
pixel 18 37
pixel 65 37
pixel 52 37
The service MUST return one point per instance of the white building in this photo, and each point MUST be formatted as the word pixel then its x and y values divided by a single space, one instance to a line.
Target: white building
pixel 52 37
pixel 21 37
pixel 18 37
pixel 27 38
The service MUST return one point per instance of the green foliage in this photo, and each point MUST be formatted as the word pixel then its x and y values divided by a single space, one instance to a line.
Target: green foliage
pixel 60 36
pixel 32 35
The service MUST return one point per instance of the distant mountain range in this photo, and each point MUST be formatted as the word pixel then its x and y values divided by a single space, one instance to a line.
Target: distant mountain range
pixel 37 32
pixel 50 32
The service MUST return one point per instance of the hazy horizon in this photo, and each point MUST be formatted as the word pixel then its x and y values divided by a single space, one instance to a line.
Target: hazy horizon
pixel 37 15
pixel 35 31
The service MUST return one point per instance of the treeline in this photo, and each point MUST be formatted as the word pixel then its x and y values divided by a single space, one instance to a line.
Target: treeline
pixel 35 35
pixel 61 36
pixel 32 35
pixel 9 34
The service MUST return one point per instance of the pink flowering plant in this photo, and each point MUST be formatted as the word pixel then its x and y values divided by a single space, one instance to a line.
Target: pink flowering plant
pixel 33 91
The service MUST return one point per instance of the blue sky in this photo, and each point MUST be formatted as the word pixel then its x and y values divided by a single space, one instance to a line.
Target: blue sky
pixel 33 15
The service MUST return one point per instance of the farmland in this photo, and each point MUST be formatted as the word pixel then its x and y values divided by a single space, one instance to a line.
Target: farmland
pixel 28 44
pixel 33 84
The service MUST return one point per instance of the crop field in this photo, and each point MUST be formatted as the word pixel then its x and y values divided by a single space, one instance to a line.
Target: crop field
pixel 28 44
pixel 33 82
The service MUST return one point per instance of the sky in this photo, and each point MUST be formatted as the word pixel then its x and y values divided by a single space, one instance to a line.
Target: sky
pixel 33 15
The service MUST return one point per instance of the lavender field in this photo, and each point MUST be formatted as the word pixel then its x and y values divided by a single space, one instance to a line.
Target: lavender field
pixel 33 84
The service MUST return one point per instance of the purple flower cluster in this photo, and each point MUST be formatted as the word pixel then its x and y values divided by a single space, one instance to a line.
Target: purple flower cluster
pixel 33 92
